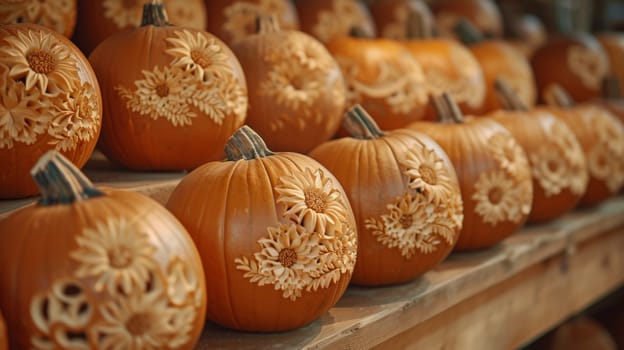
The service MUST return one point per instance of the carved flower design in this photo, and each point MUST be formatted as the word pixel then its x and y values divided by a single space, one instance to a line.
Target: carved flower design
pixel 40 60
pixel 49 13
pixel 199 54
pixel 509 155
pixel 550 169
pixel 312 200
pixel 124 14
pixel 182 282
pixel 117 254
pixel 587 65
pixel 428 174
pixel 499 199
pixel 75 118
pixel 240 16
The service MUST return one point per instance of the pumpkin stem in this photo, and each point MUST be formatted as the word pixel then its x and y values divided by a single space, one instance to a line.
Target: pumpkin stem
pixel 360 124
pixel 468 33
pixel 246 144
pixel 154 14
pixel 555 95
pixel 611 89
pixel 447 109
pixel 358 32
pixel 267 24
pixel 508 98
pixel 60 181
pixel 419 23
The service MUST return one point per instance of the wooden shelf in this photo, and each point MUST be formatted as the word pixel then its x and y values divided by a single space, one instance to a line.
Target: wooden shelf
pixel 499 298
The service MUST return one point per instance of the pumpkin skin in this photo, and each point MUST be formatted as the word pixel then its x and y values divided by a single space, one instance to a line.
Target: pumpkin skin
pixel 408 220
pixel 99 19
pixel 329 19
pixel 575 62
pixel 58 15
pixel 233 20
pixel 493 173
pixel 4 340
pixel 383 77
pixel 297 220
pixel 296 89
pixel 173 105
pixel 43 106
pixel 102 265
pixel 483 14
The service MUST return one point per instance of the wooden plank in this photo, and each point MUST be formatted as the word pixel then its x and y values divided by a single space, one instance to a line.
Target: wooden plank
pixel 365 317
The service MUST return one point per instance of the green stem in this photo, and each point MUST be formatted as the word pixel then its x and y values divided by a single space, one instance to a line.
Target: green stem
pixel 246 144
pixel 468 33
pixel 507 97
pixel 359 124
pixel 447 109
pixel 60 181
pixel 154 14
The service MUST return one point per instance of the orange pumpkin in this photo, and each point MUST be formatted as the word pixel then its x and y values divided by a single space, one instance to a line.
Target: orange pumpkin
pixel 233 20
pixel 384 77
pixel 99 19
pixel 4 340
pixel 329 19
pixel 393 18
pixel 577 63
pixel 405 197
pixel 97 268
pixel 58 15
pixel 601 136
pixel 275 232
pixel 296 89
pixel 557 161
pixel 172 103
pixel 49 99
pixel 483 14
pixel 493 173
pixel 499 60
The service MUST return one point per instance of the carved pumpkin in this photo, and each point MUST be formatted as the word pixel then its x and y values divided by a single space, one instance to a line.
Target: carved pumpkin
pixel 601 136
pixel 493 173
pixel 557 161
pixel 275 232
pixel 384 77
pixel 393 17
pixel 329 19
pixel 4 340
pixel 296 89
pixel 405 198
pixel 483 14
pixel 448 65
pixel 49 99
pixel 576 62
pixel 499 60
pixel 58 15
pixel 99 19
pixel 173 104
pixel 233 20
pixel 613 45
pixel 105 268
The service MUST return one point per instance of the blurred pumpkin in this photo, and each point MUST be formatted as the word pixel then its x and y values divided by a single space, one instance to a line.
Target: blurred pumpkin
pixel 492 169
pixel 557 161
pixel 275 232
pixel 174 102
pixel 405 197
pixel 483 14
pixel 97 268
pixel 296 89
pixel 233 20
pixel 499 60
pixel 99 19
pixel 58 15
pixel 576 62
pixel 527 33
pixel 601 136
pixel 49 99
pixel 393 17
pixel 329 19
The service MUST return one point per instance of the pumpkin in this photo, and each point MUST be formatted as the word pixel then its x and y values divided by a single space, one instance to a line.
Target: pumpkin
pixel 483 14
pixel 232 20
pixel 393 18
pixel 404 194
pixel 329 19
pixel 87 267
pixel 601 136
pixel 613 45
pixel 172 103
pixel 58 15
pixel 499 60
pixel 383 77
pixel 448 65
pixel 576 62
pixel 557 161
pixel 49 99
pixel 493 173
pixel 275 231
pixel 99 19
pixel 296 89
pixel 4 340
pixel 579 333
